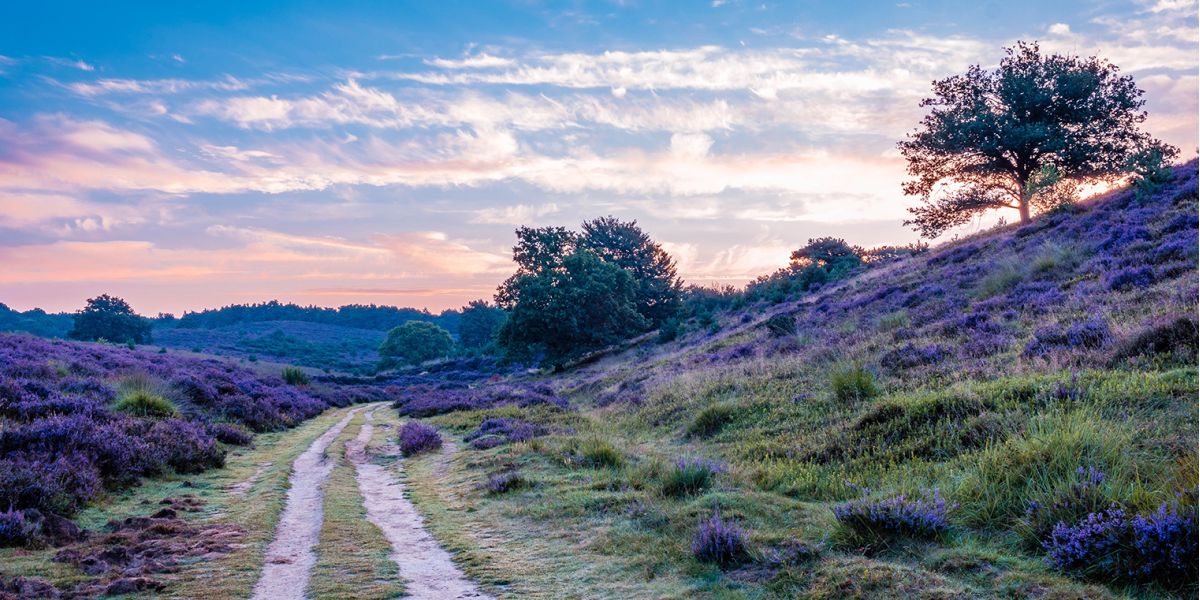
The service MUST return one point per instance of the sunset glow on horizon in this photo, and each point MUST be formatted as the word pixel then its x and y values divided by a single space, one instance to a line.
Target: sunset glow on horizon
pixel 384 152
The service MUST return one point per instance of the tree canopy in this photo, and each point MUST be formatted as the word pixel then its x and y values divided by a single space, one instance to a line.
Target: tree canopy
pixel 578 291
pixel 1022 136
pixel 112 319
pixel 479 324
pixel 415 342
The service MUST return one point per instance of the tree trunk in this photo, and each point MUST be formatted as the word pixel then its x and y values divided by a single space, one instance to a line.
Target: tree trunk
pixel 1023 207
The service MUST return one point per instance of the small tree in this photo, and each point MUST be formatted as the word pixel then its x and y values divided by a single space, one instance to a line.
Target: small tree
pixel 110 318
pixel 479 324
pixel 415 342
pixel 1022 136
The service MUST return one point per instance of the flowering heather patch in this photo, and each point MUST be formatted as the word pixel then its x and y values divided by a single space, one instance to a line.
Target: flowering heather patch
pixel 416 438
pixel 719 541
pixel 495 431
pixel 17 530
pixel 428 400
pixel 1112 546
pixel 896 515
pixel 1131 278
pixel 66 435
pixel 1081 498
pixel 910 356
pixel 505 482
pixel 691 475
pixel 1090 334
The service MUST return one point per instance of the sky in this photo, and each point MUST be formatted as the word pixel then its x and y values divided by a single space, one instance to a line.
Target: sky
pixel 193 155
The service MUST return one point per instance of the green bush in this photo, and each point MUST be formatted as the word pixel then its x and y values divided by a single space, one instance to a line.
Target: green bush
pixel 710 420
pixel 781 325
pixel 598 453
pixel 854 383
pixel 295 376
pixel 416 342
pixel 141 403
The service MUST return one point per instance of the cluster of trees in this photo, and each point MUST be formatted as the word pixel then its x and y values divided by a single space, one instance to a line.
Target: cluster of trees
pixel 361 316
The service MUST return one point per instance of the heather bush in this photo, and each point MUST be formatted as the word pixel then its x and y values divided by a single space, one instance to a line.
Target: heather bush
pixel 910 356
pixel 60 486
pixel 853 384
pixel 690 475
pixel 1177 338
pixel 506 481
pixel 1130 278
pixel 719 541
pixel 1089 334
pixel 416 438
pixel 18 530
pixel 140 403
pixel 781 325
pixel 184 446
pixel 295 376
pixel 876 520
pixel 1083 496
pixel 1111 546
pixel 495 431
pixel 228 433
pixel 712 418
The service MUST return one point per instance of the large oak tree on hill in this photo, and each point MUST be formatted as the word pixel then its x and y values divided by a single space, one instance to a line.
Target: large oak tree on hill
pixel 1016 136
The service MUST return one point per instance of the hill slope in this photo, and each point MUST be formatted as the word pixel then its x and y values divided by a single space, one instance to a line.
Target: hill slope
pixel 920 433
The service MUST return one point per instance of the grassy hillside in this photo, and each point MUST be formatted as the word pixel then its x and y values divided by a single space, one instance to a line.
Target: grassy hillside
pixel 915 431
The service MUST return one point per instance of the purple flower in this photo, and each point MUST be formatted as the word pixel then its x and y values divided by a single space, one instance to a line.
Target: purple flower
pixel 719 541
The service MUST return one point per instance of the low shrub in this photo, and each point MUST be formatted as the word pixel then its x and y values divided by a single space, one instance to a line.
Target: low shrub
pixel 141 403
pixel 1088 334
pixel 495 431
pixel 416 438
pixel 1130 278
pixel 691 475
pixel 719 541
pixel 781 325
pixel 597 453
pixel 1079 499
pixel 1177 338
pixel 506 482
pixel 295 376
pixel 17 530
pixel 876 520
pixel 853 384
pixel 185 447
pixel 712 419
pixel 910 356
pixel 1111 546
pixel 233 435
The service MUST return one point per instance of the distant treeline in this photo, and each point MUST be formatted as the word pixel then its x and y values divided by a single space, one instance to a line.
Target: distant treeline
pixel 36 321
pixel 362 316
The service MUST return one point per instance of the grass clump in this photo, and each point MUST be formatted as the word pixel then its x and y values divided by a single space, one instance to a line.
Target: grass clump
pixel 691 476
pixel 853 384
pixel 141 403
pixel 295 376
pixel 712 419
pixel 598 453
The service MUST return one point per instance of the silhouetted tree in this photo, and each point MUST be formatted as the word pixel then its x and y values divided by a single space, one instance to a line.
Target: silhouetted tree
pixel 110 318
pixel 1019 137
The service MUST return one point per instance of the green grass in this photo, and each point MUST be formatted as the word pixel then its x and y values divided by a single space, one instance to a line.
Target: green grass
pixel 141 403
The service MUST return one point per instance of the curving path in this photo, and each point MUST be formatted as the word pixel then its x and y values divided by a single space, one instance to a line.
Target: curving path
pixel 426 567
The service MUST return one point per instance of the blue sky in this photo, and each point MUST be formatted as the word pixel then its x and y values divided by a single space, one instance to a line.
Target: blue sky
pixel 331 153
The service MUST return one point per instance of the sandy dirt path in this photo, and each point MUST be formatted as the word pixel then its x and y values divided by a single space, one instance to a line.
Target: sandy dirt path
pixel 289 559
pixel 427 569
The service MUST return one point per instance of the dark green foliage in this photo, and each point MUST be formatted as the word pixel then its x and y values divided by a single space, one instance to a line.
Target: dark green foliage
pixel 358 316
pixel 35 321
pixel 690 476
pixel 110 318
pixel 625 244
pixel 712 418
pixel 295 376
pixel 578 292
pixel 853 384
pixel 832 255
pixel 781 325
pixel 479 324
pixel 1020 136
pixel 581 304
pixel 668 331
pixel 416 342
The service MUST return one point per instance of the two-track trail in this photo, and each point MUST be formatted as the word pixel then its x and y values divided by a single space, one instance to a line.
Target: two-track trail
pixel 427 569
